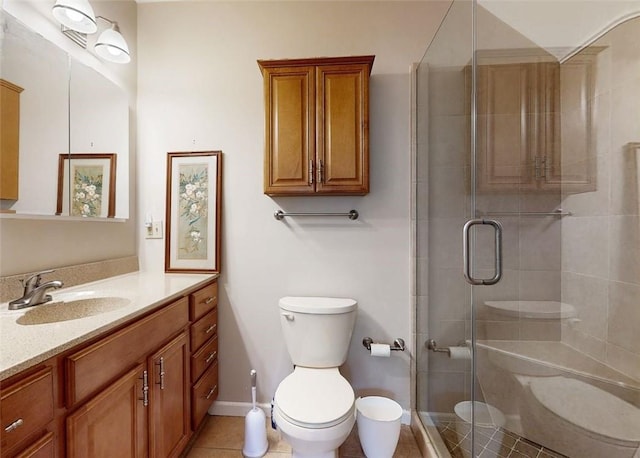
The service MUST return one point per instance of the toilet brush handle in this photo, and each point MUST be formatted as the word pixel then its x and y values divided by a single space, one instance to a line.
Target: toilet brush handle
pixel 253 396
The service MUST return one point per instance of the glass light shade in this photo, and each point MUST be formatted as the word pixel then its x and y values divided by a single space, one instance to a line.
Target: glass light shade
pixel 111 46
pixel 76 15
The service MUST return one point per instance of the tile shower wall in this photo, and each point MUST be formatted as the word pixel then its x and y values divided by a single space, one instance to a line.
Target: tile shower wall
pixel 601 242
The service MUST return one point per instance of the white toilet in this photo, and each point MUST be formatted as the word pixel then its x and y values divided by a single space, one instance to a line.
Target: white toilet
pixel 578 419
pixel 314 407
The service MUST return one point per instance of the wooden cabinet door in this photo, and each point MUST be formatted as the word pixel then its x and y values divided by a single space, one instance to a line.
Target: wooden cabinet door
pixel 113 423
pixel 342 132
pixel 506 112
pixel 169 428
pixel 289 128
pixel 9 139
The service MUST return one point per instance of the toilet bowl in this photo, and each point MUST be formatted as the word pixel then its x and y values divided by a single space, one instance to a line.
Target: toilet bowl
pixel 578 419
pixel 314 406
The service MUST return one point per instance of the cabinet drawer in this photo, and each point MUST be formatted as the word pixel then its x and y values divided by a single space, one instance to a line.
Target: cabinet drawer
pixel 203 329
pixel 203 300
pixel 26 407
pixel 96 365
pixel 43 448
pixel 203 395
pixel 204 357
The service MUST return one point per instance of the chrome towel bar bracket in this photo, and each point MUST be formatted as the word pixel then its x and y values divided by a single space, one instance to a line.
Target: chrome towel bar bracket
pixel 398 344
pixel 279 214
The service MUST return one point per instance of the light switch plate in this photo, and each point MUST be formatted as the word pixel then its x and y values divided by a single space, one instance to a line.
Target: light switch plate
pixel 155 231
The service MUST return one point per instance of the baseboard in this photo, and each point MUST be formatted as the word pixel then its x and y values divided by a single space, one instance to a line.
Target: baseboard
pixel 240 409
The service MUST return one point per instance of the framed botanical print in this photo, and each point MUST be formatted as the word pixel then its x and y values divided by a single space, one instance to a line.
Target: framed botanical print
pixel 194 188
pixel 87 185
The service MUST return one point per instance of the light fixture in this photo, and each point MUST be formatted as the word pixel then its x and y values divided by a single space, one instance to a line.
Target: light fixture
pixel 77 19
pixel 76 15
pixel 112 46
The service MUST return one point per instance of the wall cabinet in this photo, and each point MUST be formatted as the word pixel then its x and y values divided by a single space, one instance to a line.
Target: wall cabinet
pixel 9 139
pixel 316 126
pixel 534 125
pixel 140 391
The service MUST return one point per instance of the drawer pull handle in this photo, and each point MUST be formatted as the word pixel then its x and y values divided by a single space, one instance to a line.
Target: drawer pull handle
pixel 15 425
pixel 211 391
pixel 210 328
pixel 145 389
pixel 161 364
pixel 210 300
pixel 210 357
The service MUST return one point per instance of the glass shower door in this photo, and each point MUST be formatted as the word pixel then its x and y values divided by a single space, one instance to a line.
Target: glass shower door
pixel 531 126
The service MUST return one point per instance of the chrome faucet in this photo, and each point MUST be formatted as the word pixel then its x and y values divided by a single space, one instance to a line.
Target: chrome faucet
pixel 34 291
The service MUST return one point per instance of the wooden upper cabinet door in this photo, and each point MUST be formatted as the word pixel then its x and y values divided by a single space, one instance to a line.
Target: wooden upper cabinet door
pixel 169 422
pixel 342 134
pixel 505 138
pixel 113 423
pixel 289 128
pixel 9 139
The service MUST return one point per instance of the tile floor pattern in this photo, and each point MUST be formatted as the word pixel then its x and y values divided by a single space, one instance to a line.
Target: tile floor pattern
pixel 491 443
pixel 223 437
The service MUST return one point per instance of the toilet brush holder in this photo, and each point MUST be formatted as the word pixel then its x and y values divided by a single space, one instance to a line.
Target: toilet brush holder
pixel 255 427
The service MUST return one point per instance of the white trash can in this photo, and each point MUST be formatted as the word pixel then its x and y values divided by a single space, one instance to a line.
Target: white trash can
pixel 378 421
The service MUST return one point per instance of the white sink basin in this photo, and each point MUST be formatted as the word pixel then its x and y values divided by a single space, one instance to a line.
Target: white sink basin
pixel 73 309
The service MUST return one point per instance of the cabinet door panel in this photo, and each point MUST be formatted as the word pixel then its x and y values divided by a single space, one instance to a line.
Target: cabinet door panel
pixel 342 129
pixel 506 108
pixel 111 424
pixel 169 428
pixel 42 448
pixel 290 117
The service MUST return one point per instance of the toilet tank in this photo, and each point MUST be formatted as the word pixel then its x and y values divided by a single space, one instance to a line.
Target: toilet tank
pixel 317 330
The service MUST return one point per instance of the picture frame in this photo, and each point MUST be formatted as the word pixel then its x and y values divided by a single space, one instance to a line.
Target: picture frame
pixel 193 212
pixel 87 185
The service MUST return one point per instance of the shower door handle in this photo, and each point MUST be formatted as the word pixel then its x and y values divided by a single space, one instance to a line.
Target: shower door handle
pixel 466 252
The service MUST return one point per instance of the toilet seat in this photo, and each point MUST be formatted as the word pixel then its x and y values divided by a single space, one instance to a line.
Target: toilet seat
pixel 596 412
pixel 315 398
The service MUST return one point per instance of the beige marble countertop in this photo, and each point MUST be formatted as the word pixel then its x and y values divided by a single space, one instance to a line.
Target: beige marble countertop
pixel 24 346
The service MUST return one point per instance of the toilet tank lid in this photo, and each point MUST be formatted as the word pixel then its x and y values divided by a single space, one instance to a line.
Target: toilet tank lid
pixel 318 305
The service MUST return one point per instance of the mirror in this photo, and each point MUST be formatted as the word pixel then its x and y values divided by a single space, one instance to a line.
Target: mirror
pixel 65 107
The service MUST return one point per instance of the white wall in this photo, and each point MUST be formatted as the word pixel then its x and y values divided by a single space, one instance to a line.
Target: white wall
pixel 200 88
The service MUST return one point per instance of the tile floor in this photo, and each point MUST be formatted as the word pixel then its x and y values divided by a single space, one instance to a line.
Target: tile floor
pixel 491 443
pixel 223 437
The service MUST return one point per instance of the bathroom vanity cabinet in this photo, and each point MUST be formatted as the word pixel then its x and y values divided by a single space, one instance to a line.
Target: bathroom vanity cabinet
pixel 140 390
pixel 534 123
pixel 316 126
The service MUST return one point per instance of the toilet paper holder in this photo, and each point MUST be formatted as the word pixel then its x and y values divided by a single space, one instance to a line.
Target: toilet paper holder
pixel 398 344
pixel 433 346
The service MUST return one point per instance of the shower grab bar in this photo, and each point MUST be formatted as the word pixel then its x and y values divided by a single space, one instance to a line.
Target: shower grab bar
pixel 279 214
pixel 466 253
pixel 558 212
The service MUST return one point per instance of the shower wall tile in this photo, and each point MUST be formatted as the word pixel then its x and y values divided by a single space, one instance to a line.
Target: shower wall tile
pixel 422 201
pixel 498 330
pixel 623 360
pixel 422 314
pixel 422 276
pixel 590 297
pixel 445 242
pixel 541 330
pixel 624 249
pixel 448 142
pixel 539 285
pixel 505 290
pixel 449 294
pixel 589 345
pixel 447 91
pixel 447 332
pixel 624 316
pixel 485 245
pixel 624 173
pixel 585 247
pixel 540 243
pixel 447 192
pixel 446 389
pixel 594 203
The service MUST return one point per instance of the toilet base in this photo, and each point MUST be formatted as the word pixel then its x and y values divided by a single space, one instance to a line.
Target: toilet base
pixel 333 454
